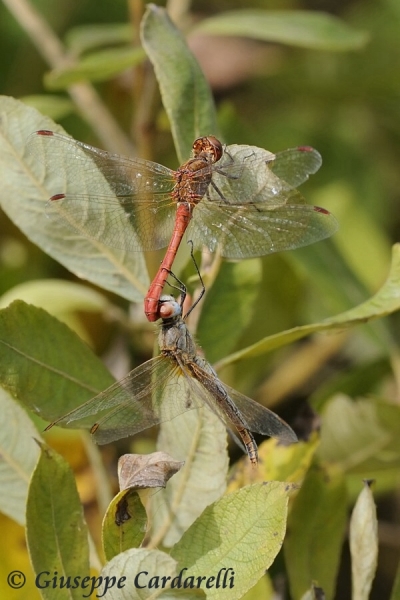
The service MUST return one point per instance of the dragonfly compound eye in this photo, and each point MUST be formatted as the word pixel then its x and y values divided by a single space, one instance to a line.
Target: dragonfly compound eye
pixel 208 146
pixel 169 307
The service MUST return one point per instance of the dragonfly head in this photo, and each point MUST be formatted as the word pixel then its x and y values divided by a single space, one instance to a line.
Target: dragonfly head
pixel 208 147
pixel 169 308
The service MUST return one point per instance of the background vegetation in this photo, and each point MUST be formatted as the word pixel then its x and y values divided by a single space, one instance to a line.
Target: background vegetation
pixel 337 91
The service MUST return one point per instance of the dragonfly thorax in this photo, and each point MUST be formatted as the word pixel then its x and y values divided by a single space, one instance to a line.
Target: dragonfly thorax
pixel 192 180
pixel 175 340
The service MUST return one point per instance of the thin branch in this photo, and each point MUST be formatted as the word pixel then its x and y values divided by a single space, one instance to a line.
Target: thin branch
pixel 84 95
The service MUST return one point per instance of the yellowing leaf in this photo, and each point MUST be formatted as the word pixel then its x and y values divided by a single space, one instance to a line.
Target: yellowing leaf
pixel 276 462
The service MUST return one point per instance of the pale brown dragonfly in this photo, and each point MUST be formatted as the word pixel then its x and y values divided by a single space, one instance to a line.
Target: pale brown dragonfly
pixel 176 381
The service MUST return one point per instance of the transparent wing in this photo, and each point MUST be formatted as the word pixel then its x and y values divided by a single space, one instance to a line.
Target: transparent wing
pixel 99 194
pixel 249 174
pixel 208 388
pixel 259 229
pixel 252 207
pixel 295 165
pixel 261 419
pixel 150 394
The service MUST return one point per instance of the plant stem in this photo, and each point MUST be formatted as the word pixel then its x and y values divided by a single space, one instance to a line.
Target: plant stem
pixel 83 94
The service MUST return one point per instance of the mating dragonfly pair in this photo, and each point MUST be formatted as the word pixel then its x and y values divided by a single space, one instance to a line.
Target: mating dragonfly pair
pixel 242 200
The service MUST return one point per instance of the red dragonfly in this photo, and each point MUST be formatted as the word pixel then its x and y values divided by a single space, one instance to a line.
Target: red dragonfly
pixel 162 388
pixel 241 199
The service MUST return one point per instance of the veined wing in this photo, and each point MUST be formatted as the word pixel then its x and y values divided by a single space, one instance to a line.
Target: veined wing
pixel 249 230
pixel 150 394
pixel 250 210
pixel 295 165
pixel 261 419
pixel 231 406
pixel 247 174
pixel 97 193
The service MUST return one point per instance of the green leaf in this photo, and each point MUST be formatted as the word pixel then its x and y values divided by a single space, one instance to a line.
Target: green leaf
pixel 263 589
pixel 359 231
pixel 26 187
pixel 363 544
pixel 383 303
pixel 242 532
pixel 55 107
pixel 44 364
pixel 19 455
pixel 199 438
pixel 56 531
pixel 139 574
pixel 314 540
pixel 97 66
pixel 361 380
pixel 306 29
pixel 228 303
pixel 361 438
pixel 185 93
pixel 62 299
pixel 124 524
pixel 86 37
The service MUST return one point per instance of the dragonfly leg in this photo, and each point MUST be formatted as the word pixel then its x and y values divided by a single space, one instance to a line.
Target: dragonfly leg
pixel 182 288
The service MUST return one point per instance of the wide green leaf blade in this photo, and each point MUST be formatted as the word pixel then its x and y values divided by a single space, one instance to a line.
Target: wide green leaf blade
pixel 316 527
pixel 62 299
pixel 242 532
pixel 124 524
pixel 26 187
pixel 185 93
pixel 97 66
pixel 363 537
pixel 263 589
pixel 141 574
pixel 383 303
pixel 56 531
pixel 19 454
pixel 306 29
pixel 197 437
pixel 229 302
pixel 361 438
pixel 44 364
